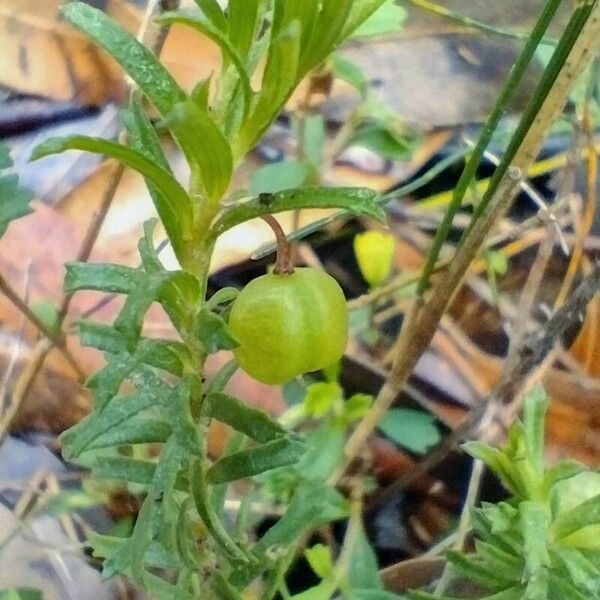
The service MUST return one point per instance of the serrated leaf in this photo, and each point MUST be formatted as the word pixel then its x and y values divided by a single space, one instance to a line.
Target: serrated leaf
pixel 77 439
pixel 102 277
pixel 498 559
pixel 214 333
pixel 133 431
pixel 312 505
pixel 142 66
pixel 14 201
pixel 413 429
pixel 359 201
pixel 106 382
pixel 175 204
pixel 257 460
pixel 205 146
pixel 252 422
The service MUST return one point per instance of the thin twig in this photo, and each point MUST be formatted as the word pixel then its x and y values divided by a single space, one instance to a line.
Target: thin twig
pixel 533 351
pixel 415 339
pixel 155 38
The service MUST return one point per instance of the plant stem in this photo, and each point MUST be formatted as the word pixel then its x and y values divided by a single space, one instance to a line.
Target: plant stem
pixel 283 265
pixel 514 78
pixel 578 47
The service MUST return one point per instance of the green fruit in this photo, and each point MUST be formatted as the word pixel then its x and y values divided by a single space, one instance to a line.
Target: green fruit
pixel 289 324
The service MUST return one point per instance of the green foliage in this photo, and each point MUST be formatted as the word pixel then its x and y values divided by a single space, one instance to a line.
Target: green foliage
pixel 21 594
pixel 14 199
pixel 412 429
pixel 542 543
pixel 152 406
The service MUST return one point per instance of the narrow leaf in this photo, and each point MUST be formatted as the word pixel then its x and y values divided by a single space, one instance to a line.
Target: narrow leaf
pixel 143 67
pixel 102 277
pixel 218 36
pixel 252 422
pixel 247 463
pixel 133 431
pixel 177 205
pixel 359 201
pixel 206 148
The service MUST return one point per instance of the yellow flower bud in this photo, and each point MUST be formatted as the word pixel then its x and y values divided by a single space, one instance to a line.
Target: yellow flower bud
pixel 375 254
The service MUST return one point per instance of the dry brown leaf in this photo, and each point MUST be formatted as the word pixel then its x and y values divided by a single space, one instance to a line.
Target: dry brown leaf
pixel 42 55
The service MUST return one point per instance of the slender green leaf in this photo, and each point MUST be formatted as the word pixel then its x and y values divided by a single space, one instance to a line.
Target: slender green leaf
pixel 243 23
pixel 476 571
pixel 177 206
pixel 207 149
pixel 21 593
pixel 133 431
pixel 252 422
pixel 360 201
pixel 107 382
pixel 143 138
pixel 121 410
pixel 534 525
pixel 102 277
pixel 213 11
pixel 536 404
pixel 220 38
pixel 124 469
pixel 247 463
pixel 279 80
pixel 143 67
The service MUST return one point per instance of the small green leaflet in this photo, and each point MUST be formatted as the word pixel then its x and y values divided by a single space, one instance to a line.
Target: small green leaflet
pixel 413 429
pixel 14 199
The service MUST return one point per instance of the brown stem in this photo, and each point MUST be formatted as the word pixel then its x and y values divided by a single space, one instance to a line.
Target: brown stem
pixel 284 265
